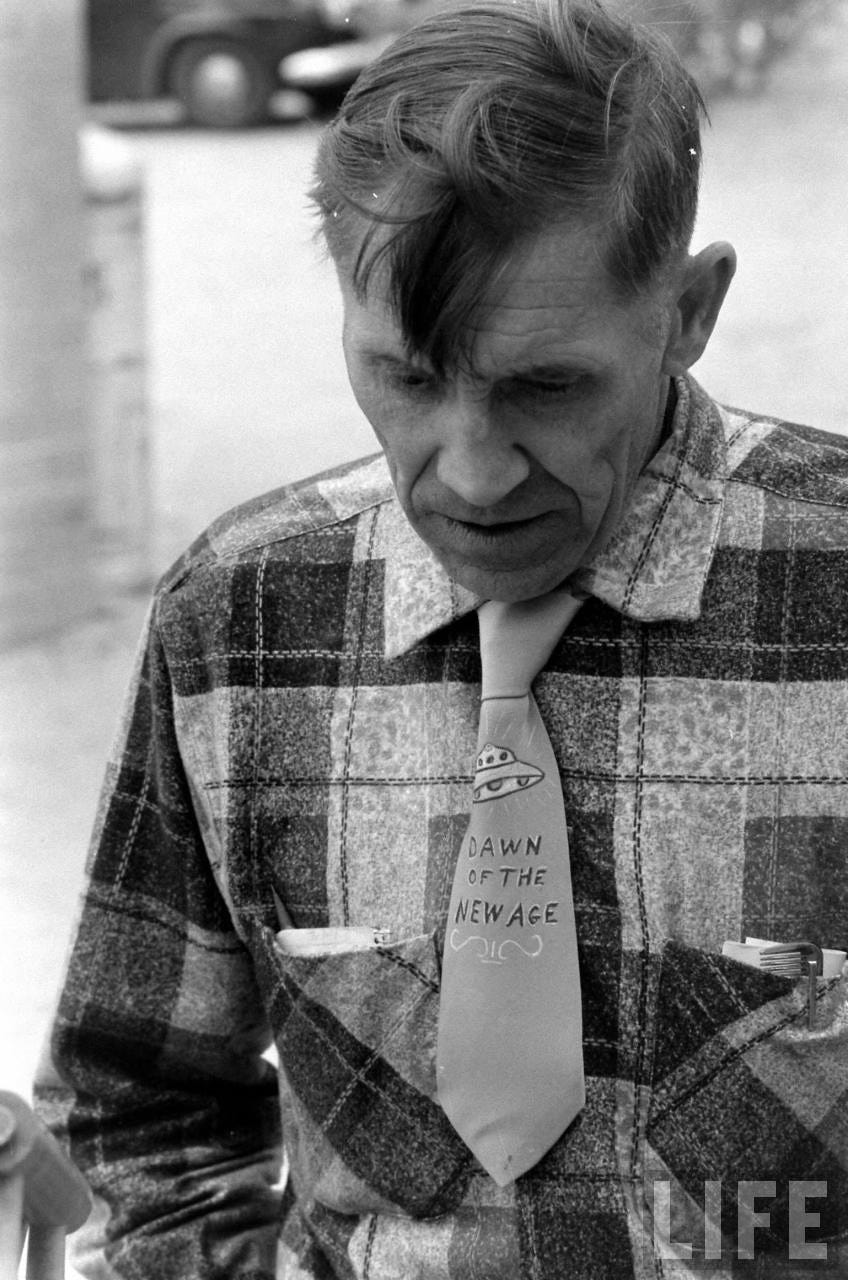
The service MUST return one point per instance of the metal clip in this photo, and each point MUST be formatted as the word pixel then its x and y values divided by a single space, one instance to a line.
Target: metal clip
pixel 796 960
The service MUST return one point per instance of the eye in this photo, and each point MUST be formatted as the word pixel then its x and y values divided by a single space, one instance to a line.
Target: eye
pixel 541 394
pixel 408 379
pixel 548 388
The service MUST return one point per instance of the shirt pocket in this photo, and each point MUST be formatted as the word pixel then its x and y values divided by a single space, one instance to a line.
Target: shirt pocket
pixel 355 1031
pixel 744 1090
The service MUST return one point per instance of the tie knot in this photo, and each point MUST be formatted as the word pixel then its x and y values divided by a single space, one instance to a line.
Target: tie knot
pixel 517 639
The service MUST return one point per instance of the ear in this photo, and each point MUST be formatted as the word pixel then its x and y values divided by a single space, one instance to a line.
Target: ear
pixel 702 287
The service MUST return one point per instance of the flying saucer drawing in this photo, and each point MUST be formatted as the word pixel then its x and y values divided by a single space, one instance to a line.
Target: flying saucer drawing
pixel 498 772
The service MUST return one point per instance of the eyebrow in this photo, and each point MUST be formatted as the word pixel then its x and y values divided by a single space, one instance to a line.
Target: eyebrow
pixel 373 356
pixel 546 372
pixel 397 360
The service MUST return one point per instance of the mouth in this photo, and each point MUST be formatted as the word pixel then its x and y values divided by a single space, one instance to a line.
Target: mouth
pixel 486 527
pixel 493 528
pixel 497 543
pixel 492 521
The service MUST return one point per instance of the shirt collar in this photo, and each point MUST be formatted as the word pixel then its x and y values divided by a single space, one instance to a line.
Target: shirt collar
pixel 654 567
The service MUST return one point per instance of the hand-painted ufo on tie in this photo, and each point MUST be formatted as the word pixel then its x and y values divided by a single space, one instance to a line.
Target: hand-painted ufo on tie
pixel 498 773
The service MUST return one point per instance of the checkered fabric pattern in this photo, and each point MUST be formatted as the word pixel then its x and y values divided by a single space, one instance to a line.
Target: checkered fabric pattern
pixel 302 724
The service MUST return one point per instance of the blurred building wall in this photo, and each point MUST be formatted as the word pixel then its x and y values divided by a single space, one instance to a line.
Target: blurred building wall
pixel 45 457
pixel 116 351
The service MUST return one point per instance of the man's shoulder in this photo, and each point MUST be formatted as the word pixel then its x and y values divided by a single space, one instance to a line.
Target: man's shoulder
pixel 284 519
pixel 788 460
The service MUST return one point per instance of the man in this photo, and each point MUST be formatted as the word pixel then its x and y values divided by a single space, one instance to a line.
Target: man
pixel 508 194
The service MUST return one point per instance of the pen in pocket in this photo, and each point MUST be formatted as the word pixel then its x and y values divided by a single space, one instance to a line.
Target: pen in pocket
pixel 325 939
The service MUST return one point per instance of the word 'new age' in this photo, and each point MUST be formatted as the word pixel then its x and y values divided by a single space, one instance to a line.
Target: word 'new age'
pixel 479 911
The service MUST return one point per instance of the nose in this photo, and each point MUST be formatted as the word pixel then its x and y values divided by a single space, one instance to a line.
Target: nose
pixel 479 459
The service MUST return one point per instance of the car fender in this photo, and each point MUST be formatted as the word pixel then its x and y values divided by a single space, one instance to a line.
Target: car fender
pixel 175 31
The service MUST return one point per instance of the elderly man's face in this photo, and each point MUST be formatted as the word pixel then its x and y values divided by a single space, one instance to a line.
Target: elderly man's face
pixel 517 471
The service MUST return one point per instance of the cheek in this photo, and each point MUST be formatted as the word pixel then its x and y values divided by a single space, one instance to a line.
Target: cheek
pixel 585 466
pixel 598 459
pixel 367 396
pixel 403 441
pixel 617 443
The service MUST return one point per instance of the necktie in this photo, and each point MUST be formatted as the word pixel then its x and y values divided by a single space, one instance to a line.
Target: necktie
pixel 510 1051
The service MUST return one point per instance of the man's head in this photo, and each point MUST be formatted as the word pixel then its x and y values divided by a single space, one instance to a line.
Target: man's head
pixel 508 194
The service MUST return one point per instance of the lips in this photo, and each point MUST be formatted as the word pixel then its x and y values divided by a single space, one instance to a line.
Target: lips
pixel 487 518
pixel 492 521
pixel 487 528
pixel 499 544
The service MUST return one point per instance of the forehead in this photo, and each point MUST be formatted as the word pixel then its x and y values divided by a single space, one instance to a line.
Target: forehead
pixel 551 299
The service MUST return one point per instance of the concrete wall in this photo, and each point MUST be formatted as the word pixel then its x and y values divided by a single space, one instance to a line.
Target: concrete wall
pixel 45 458
pixel 74 470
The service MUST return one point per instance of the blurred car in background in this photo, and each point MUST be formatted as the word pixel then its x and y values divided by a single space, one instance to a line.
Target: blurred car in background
pixel 221 59
pixel 224 60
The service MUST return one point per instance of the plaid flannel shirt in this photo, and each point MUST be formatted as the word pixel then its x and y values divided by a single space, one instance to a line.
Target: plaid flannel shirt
pixel 302 725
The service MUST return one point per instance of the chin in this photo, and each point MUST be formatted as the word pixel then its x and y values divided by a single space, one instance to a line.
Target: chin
pixel 510 585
